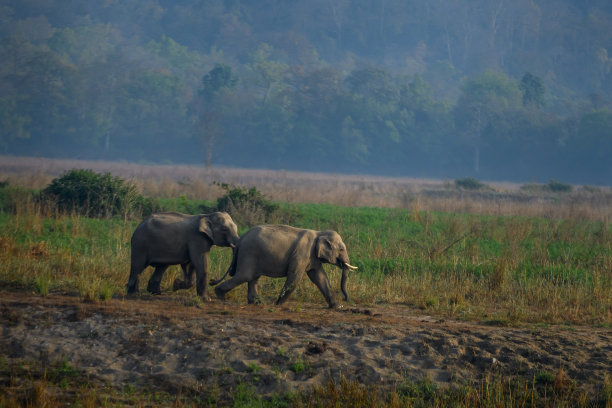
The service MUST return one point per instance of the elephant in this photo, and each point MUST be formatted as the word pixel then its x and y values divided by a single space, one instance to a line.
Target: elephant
pixel 172 238
pixel 281 250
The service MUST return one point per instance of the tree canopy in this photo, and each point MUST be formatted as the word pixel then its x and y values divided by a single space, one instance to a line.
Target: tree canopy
pixel 495 90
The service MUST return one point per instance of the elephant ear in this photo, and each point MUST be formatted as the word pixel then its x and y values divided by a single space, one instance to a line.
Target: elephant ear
pixel 205 227
pixel 325 250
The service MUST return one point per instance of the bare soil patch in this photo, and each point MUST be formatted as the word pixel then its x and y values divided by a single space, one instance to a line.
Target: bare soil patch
pixel 160 343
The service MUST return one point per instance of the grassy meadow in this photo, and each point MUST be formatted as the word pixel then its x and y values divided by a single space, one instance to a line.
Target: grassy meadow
pixel 503 256
pixel 504 269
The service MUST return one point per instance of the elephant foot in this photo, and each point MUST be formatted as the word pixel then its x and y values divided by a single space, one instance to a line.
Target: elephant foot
pixel 219 293
pixel 132 287
pixel 154 290
pixel 180 284
pixel 256 301
pixel 335 306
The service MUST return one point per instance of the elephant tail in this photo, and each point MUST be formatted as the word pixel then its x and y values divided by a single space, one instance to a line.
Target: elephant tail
pixel 231 270
pixel 213 282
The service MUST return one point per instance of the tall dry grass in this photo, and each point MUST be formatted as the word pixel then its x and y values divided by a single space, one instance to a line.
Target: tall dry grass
pixel 194 182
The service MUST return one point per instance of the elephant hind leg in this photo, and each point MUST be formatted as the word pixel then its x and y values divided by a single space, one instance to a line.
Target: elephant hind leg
pixel 291 283
pixel 222 289
pixel 155 280
pixel 136 269
pixel 253 295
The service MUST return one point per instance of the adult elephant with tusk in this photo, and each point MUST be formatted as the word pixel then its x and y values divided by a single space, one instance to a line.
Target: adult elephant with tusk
pixel 283 251
pixel 165 239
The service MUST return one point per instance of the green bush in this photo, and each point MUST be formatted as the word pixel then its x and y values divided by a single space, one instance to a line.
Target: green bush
pixel 246 206
pixel 558 187
pixel 96 195
pixel 470 184
pixel 553 186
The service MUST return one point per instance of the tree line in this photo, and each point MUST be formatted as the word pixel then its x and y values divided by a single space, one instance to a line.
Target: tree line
pixel 386 87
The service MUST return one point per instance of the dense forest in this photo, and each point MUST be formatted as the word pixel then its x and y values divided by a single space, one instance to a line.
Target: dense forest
pixel 493 89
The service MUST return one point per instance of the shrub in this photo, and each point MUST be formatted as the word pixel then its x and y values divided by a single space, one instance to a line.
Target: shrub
pixel 552 186
pixel 95 195
pixel 246 206
pixel 469 184
pixel 299 366
pixel 558 187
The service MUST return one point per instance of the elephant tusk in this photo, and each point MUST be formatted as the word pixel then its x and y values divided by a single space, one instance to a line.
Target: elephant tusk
pixel 349 266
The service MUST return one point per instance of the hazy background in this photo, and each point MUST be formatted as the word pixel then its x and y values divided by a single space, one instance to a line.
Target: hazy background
pixel 493 89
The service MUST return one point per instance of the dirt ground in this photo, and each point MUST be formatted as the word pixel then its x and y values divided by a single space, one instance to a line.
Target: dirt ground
pixel 161 342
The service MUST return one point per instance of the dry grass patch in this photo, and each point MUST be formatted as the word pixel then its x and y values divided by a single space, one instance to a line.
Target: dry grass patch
pixel 194 182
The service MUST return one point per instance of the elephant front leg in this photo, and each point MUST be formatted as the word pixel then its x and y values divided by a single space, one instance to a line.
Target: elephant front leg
pixel 319 278
pixel 201 267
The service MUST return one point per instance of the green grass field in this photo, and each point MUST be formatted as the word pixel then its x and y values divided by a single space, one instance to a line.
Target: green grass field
pixel 504 269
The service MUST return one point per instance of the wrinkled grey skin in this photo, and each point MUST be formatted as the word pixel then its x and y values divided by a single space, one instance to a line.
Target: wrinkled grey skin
pixel 283 251
pixel 165 239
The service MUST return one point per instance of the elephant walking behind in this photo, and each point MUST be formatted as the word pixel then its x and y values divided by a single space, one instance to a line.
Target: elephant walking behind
pixel 165 239
pixel 283 251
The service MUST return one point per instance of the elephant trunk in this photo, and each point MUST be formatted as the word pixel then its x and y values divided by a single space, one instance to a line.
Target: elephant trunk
pixel 346 267
pixel 343 283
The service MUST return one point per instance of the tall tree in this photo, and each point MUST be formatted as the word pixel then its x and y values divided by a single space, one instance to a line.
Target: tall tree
pixel 533 90
pixel 482 107
pixel 265 73
pixel 212 105
pixel 591 146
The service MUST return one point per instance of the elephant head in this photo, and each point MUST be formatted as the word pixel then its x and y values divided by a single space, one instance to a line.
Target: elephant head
pixel 330 249
pixel 220 228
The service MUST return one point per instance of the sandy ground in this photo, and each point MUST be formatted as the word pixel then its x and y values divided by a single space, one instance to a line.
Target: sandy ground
pixel 158 342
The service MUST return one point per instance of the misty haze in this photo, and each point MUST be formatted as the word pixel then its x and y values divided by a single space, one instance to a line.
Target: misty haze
pixel 494 90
